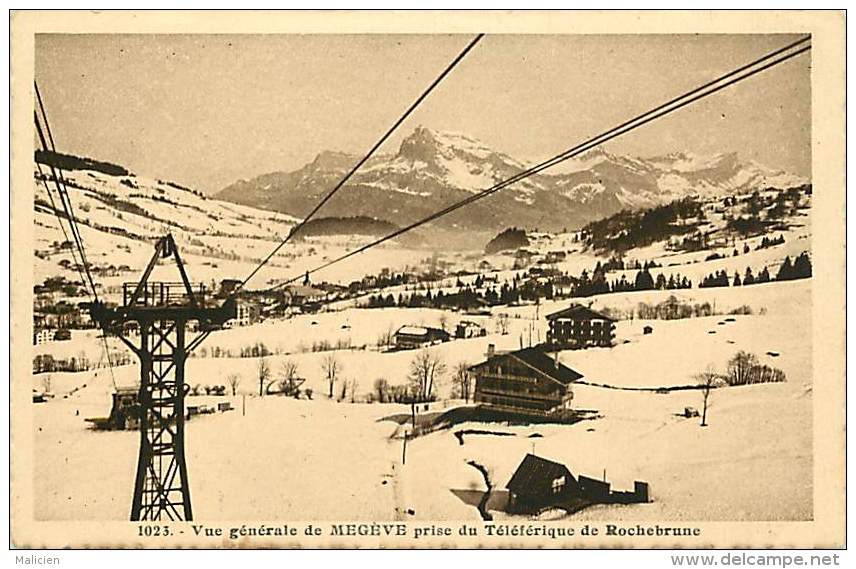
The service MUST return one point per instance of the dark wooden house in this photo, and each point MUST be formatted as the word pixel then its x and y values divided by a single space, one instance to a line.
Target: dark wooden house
pixel 125 413
pixel 469 329
pixel 539 483
pixel 410 337
pixel 228 286
pixel 579 327
pixel 526 381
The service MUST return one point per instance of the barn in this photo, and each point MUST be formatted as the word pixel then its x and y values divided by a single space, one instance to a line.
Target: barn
pixel 410 337
pixel 541 483
pixel 538 483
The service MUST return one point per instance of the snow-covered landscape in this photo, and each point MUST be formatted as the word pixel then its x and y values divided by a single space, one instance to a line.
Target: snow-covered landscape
pixel 283 458
pixel 493 314
pixel 355 456
pixel 428 279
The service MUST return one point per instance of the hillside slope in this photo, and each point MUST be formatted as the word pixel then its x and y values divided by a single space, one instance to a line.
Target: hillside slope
pixel 121 216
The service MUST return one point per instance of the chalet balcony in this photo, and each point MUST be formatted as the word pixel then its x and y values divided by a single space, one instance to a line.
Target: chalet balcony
pixel 581 336
pixel 517 409
pixel 493 377
pixel 582 330
pixel 524 397
pixel 505 386
pixel 512 404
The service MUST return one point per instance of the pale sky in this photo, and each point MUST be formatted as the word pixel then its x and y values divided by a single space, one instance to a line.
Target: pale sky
pixel 206 110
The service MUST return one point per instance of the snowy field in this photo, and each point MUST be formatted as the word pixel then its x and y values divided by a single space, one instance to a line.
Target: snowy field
pixel 322 460
pixel 753 461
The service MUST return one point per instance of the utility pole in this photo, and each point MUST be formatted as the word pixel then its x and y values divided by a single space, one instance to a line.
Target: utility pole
pixel 404 450
pixel 162 311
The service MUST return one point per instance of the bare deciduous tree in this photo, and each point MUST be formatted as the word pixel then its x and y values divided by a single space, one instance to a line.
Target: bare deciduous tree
pixel 707 380
pixel 386 337
pixel 381 388
pixel 463 381
pixel 426 370
pixel 288 377
pixel 502 324
pixel 264 376
pixel 332 368
pixel 745 369
pixel 234 380
pixel 82 360
pixel 740 368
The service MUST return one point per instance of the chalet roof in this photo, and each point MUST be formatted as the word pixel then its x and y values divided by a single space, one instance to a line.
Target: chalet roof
pixel 413 330
pixel 579 312
pixel 535 473
pixel 420 330
pixel 540 361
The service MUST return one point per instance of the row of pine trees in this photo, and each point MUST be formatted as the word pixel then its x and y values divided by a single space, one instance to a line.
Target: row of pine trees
pixel 800 268
pixel 588 285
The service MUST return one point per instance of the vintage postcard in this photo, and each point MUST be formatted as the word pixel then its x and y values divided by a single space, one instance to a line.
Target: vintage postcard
pixel 428 279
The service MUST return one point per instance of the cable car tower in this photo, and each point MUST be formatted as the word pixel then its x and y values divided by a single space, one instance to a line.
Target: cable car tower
pixel 162 311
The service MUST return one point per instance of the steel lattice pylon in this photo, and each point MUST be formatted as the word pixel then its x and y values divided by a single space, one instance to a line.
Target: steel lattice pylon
pixel 162 311
pixel 161 488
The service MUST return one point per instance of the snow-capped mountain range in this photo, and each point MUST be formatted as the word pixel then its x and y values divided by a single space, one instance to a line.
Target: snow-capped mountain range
pixel 434 169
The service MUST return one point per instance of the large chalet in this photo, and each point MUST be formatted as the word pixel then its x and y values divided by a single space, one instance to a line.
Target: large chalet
pixel 526 381
pixel 578 326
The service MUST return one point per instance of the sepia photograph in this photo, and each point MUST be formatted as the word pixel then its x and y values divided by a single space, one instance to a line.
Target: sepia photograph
pixel 427 279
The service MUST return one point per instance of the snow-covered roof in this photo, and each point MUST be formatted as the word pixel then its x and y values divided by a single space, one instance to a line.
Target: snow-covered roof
pixel 579 312
pixel 413 330
pixel 538 360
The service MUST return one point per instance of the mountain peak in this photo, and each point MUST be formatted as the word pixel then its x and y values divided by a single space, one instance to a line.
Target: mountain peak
pixel 426 143
pixel 331 160
pixel 420 145
pixel 596 152
pixel 691 162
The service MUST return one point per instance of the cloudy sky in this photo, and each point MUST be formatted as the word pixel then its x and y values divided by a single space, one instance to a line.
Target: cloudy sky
pixel 206 110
